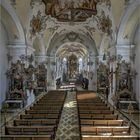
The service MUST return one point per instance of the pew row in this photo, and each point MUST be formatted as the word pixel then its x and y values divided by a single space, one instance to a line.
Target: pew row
pixel 26 137
pixel 94 107
pixel 105 130
pixel 101 122
pixel 92 112
pixel 98 116
pixel 43 111
pixel 87 137
pixel 30 130
pixel 38 122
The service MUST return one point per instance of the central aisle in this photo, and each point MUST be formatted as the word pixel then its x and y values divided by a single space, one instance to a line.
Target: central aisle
pixel 68 128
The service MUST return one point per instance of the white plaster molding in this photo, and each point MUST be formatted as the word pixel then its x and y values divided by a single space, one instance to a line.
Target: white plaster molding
pixel 16 46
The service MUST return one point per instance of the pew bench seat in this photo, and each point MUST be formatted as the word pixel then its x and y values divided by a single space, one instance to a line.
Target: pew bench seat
pixel 101 122
pixel 40 116
pixel 105 130
pixel 92 112
pixel 94 107
pixel 27 137
pixel 99 116
pixel 30 130
pixel 87 137
pixel 35 122
pixel 46 108
pixel 43 111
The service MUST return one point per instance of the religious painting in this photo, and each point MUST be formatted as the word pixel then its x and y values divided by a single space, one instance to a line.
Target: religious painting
pixel 70 10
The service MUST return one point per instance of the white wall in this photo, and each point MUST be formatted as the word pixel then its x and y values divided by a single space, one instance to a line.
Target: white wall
pixel 3 63
pixel 137 64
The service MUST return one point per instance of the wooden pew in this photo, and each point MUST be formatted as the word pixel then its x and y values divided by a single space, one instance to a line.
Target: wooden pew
pixel 43 111
pixel 85 137
pixel 30 130
pixel 92 104
pixel 101 122
pixel 38 122
pixel 94 107
pixel 91 101
pixel 46 108
pixel 99 116
pixel 92 112
pixel 48 104
pixel 26 137
pixel 40 116
pixel 105 130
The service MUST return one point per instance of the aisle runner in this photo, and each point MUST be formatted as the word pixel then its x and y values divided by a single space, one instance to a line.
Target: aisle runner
pixel 68 128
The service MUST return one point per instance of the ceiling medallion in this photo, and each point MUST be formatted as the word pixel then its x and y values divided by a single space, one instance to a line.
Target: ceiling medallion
pixel 70 10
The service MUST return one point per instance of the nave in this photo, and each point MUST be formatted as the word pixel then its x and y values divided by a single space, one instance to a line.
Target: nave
pixel 70 115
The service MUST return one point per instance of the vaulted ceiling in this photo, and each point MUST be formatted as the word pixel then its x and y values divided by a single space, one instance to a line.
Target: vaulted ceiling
pixel 96 26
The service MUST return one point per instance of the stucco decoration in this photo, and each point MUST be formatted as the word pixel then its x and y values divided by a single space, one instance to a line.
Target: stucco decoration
pixel 106 2
pixel 37 24
pixel 72 36
pixel 105 23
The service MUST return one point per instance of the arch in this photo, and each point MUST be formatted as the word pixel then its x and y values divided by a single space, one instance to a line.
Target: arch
pixel 58 40
pixel 134 31
pixel 15 19
pixel 125 19
pixel 68 49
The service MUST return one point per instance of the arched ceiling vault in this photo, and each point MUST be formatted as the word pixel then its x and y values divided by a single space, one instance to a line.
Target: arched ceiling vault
pixel 70 38
pixel 72 48
pixel 92 31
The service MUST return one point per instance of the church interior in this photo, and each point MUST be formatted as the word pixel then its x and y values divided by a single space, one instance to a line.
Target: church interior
pixel 69 69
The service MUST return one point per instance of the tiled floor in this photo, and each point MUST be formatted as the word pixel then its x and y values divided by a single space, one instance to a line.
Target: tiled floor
pixel 68 128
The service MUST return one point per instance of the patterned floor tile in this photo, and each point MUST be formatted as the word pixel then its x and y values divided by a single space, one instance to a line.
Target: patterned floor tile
pixel 68 128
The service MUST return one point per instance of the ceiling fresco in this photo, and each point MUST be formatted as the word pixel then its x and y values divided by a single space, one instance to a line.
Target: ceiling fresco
pixel 71 10
pixel 69 49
